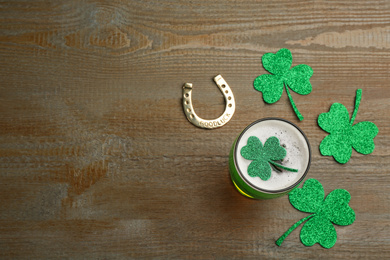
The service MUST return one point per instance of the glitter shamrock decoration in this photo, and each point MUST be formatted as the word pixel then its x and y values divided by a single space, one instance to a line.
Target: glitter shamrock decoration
pixel 343 134
pixel 263 156
pixel 296 78
pixel 319 227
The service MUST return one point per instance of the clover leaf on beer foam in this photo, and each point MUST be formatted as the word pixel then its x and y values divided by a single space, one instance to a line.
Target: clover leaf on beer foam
pixel 263 156
pixel 319 226
pixel 271 85
pixel 344 134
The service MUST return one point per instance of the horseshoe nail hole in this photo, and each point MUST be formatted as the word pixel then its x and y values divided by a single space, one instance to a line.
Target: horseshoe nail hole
pixel 186 95
pixel 223 85
pixel 188 110
pixel 226 91
pixel 186 102
pixel 230 105
pixel 229 98
pixel 192 116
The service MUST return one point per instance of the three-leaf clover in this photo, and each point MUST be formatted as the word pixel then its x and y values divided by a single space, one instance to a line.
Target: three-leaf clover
pixel 296 78
pixel 263 156
pixel 319 227
pixel 343 134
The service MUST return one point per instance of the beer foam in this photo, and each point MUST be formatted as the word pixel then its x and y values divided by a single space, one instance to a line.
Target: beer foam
pixel 291 138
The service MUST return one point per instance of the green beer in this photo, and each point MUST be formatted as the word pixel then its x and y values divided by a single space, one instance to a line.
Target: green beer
pixel 281 182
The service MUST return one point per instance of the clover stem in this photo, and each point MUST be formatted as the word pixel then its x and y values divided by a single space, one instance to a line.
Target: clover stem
pixel 283 167
pixel 281 239
pixel 357 103
pixel 299 115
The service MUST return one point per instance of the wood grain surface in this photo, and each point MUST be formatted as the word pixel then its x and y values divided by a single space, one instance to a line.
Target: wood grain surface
pixel 98 161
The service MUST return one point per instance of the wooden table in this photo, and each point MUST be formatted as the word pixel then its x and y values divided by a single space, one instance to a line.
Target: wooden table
pixel 98 160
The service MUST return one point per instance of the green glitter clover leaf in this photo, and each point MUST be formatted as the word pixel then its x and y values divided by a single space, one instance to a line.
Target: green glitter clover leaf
pixel 319 228
pixel 343 134
pixel 296 78
pixel 263 156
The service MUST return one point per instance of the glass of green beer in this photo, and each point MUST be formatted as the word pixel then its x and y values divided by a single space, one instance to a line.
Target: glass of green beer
pixel 281 182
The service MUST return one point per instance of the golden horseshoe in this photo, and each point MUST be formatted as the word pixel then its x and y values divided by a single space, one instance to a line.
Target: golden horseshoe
pixel 209 124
